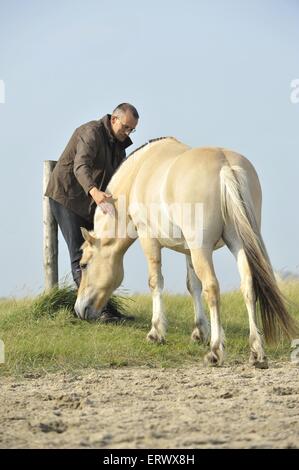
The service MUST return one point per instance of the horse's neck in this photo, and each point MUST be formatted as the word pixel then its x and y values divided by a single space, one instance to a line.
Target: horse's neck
pixel 122 180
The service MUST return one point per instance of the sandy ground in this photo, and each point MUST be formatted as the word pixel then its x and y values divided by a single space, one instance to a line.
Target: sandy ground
pixel 229 407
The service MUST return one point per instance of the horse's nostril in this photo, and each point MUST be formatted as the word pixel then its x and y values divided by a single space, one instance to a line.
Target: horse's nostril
pixel 86 312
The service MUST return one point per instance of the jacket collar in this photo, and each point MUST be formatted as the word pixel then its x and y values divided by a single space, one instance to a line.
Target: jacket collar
pixel 111 138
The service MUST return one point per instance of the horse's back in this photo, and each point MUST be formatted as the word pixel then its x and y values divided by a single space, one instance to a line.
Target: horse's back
pixel 175 172
pixel 195 175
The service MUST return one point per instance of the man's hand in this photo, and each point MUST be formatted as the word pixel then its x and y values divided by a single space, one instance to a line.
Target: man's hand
pixel 103 200
pixel 99 196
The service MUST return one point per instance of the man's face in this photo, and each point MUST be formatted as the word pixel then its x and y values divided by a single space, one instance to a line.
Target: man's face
pixel 123 125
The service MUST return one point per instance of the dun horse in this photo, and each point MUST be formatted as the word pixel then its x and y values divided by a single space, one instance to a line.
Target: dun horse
pixel 221 193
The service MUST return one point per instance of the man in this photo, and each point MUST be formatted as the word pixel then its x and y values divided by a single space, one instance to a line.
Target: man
pixel 82 173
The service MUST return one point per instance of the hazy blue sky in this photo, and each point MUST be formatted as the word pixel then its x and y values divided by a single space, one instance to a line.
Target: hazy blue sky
pixel 214 72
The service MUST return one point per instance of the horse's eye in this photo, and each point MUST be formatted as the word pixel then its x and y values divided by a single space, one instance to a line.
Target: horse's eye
pixel 83 266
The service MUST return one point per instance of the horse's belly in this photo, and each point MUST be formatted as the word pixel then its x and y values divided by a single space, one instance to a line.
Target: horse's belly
pixel 181 246
pixel 174 244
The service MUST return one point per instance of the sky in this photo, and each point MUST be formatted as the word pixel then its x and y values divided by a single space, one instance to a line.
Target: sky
pixel 209 72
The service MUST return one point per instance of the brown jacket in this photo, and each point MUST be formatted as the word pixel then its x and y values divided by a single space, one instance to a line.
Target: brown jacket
pixel 89 159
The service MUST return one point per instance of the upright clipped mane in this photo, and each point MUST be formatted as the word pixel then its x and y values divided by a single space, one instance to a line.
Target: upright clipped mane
pixel 149 142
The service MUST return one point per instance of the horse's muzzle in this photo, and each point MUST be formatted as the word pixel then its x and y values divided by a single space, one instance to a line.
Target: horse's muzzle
pixel 85 311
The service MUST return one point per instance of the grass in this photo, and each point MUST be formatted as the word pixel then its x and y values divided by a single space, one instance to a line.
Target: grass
pixel 43 334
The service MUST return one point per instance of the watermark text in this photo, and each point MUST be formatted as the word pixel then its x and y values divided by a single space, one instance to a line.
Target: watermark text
pixel 295 353
pixel 2 92
pixel 294 96
pixel 176 222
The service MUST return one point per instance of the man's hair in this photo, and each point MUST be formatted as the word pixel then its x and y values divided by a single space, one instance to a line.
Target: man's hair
pixel 123 108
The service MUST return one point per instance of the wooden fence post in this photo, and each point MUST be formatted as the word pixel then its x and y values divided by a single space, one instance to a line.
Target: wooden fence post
pixel 50 241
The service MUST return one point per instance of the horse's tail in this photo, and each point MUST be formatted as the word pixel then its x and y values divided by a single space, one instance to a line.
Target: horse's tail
pixel 237 206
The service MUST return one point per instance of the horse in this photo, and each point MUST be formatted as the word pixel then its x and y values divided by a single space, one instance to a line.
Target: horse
pixel 221 189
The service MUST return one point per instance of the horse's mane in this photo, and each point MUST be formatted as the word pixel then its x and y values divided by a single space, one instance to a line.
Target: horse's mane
pixel 149 142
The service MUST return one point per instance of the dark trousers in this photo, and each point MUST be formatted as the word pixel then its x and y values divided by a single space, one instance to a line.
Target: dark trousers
pixel 69 224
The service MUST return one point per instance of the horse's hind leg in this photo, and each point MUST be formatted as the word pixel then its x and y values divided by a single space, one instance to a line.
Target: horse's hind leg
pixel 194 286
pixel 152 251
pixel 257 354
pixel 203 266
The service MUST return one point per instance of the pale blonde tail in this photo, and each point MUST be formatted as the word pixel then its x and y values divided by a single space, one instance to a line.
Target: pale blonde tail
pixel 237 208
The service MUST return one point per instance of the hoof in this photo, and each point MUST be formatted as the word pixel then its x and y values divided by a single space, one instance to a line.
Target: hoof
pixel 196 336
pixel 211 359
pixel 261 364
pixel 258 363
pixel 155 338
pixel 199 337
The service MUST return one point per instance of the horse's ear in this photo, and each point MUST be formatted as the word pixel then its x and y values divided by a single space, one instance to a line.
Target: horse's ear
pixel 87 236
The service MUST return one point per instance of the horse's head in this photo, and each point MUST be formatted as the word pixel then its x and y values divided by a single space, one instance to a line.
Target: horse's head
pixel 102 272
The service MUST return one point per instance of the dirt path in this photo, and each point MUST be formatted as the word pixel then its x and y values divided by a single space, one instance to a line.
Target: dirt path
pixel 229 407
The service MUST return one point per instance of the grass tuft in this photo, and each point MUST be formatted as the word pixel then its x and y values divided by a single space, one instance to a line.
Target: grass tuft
pixel 50 303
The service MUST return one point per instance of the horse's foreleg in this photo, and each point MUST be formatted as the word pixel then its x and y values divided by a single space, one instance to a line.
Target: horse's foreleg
pixel 203 266
pixel 152 250
pixel 194 286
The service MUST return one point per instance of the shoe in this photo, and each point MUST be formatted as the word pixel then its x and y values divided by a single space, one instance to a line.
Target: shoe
pixel 111 315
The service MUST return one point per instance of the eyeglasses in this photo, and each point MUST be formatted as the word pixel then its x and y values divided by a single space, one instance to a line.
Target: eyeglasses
pixel 128 129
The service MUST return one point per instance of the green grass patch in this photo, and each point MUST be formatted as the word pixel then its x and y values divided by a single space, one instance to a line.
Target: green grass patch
pixel 43 334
